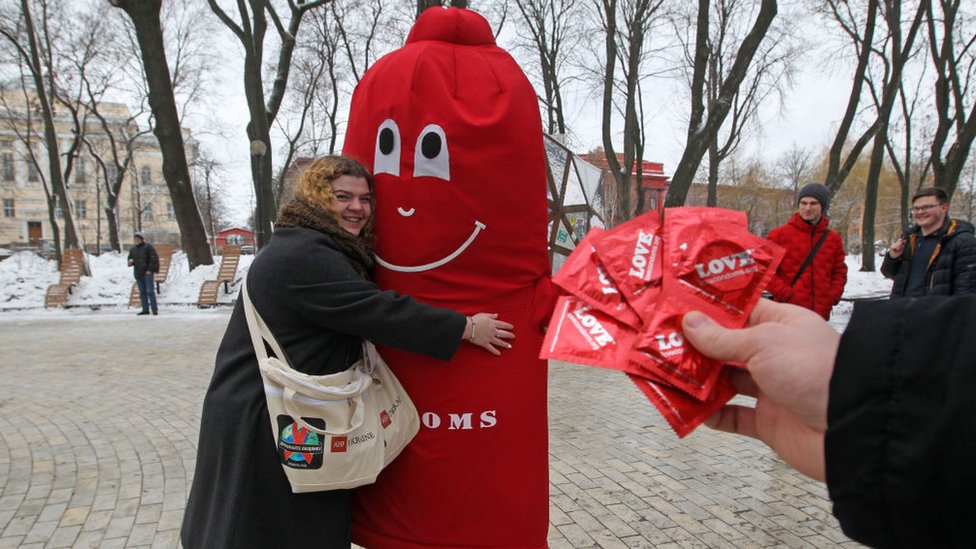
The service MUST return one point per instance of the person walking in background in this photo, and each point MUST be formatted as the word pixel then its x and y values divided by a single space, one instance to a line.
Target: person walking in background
pixel 937 255
pixel 812 273
pixel 145 264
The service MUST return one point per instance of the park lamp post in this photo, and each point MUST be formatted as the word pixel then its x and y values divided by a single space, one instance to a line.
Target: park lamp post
pixel 258 149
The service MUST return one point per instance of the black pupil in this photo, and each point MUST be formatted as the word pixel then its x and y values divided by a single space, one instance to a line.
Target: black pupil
pixel 386 141
pixel 431 145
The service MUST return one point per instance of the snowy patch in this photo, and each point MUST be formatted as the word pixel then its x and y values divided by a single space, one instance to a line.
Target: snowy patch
pixel 25 277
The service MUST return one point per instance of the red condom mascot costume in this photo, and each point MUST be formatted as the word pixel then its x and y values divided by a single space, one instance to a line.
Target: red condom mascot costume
pixel 450 126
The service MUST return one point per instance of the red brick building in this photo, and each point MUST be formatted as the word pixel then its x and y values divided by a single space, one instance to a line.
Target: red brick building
pixel 654 182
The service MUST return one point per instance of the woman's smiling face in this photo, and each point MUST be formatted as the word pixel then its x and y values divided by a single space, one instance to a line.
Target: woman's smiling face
pixel 352 202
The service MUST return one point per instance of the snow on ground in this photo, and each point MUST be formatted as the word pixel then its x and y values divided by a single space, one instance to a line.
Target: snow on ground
pixel 25 276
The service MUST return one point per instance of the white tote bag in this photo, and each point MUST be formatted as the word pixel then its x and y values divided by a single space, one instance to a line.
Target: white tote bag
pixel 332 431
pixel 398 416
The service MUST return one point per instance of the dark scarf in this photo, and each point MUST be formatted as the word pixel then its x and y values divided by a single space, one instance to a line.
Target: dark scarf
pixel 299 212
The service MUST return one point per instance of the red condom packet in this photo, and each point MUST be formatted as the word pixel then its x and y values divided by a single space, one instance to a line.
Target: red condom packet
pixel 685 413
pixel 582 334
pixel 583 276
pixel 719 269
pixel 661 348
pixel 682 412
pixel 632 255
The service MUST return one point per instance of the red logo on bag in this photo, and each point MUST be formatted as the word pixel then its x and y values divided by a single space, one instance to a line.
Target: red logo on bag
pixel 339 444
pixel 385 419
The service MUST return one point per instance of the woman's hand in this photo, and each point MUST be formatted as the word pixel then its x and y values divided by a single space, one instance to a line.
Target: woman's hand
pixel 486 331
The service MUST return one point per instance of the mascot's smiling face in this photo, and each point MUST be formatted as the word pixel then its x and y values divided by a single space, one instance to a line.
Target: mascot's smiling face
pixel 450 127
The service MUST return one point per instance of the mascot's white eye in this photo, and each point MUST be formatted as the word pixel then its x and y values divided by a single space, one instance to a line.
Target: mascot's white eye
pixel 431 156
pixel 387 157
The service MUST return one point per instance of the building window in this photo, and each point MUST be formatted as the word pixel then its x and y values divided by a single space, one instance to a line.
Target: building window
pixel 7 159
pixel 80 170
pixel 147 212
pixel 111 172
pixel 8 208
pixel 171 211
pixel 81 212
pixel 146 176
pixel 58 212
pixel 32 174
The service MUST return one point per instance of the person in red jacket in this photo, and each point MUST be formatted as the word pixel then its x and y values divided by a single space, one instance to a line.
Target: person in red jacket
pixel 816 283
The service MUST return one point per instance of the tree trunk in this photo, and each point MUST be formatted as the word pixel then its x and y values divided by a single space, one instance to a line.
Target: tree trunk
pixel 836 174
pixel 713 162
pixel 111 218
pixel 51 141
pixel 145 18
pixel 424 4
pixel 899 56
pixel 701 135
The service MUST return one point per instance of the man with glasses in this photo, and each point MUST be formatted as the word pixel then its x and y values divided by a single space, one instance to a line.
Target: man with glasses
pixel 936 255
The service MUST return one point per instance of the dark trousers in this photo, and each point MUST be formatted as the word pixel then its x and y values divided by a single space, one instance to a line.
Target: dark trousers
pixel 147 292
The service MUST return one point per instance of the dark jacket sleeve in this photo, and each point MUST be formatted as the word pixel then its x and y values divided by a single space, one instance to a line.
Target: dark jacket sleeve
pixel 320 285
pixel 890 265
pixel 152 259
pixel 901 437
pixel 838 275
pixel 964 265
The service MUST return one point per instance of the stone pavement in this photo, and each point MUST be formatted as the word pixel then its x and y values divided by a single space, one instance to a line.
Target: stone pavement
pixel 99 416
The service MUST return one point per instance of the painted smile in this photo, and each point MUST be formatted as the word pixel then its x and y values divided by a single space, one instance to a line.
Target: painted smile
pixel 478 227
pixel 406 213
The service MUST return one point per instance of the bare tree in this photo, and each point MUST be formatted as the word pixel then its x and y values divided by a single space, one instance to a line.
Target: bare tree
pixel 33 46
pixel 145 17
pixel 795 166
pixel 250 29
pixel 623 26
pixel 208 188
pixel 767 76
pixel 112 148
pixel 702 127
pixel 952 45
pixel 906 159
pixel 424 4
pixel 895 53
pixel 861 35
pixel 550 29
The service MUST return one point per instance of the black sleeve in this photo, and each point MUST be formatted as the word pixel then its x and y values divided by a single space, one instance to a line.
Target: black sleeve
pixel 889 265
pixel 901 438
pixel 322 288
pixel 964 266
pixel 152 259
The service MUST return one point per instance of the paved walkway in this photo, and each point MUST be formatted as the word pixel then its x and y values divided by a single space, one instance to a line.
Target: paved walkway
pixel 98 427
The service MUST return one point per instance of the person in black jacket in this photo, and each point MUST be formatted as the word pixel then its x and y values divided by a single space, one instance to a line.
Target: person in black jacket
pixel 937 255
pixel 311 286
pixel 885 417
pixel 145 264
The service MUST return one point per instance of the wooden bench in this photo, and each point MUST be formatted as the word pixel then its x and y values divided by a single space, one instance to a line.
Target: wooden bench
pixel 72 269
pixel 165 254
pixel 226 274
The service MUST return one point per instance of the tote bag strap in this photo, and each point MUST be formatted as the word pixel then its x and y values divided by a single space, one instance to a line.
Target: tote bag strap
pixel 298 386
pixel 259 330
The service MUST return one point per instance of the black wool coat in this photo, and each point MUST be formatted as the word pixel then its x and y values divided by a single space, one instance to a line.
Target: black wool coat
pixel 319 309
pixel 901 435
pixel 951 268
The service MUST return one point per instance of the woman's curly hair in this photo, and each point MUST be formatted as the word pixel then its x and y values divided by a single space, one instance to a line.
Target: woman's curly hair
pixel 315 181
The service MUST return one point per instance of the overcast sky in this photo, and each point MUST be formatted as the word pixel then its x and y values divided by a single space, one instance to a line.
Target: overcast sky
pixel 807 116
